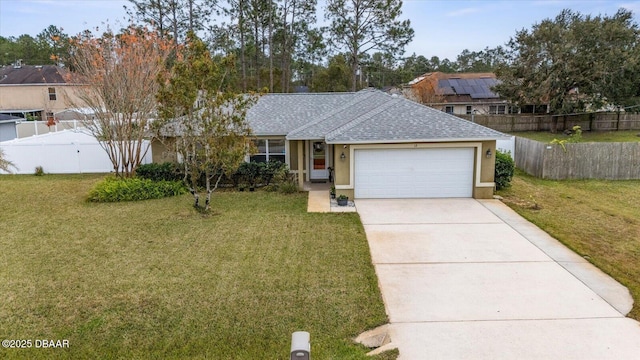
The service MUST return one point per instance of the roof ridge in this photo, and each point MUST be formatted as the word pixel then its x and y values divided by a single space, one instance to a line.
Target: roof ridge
pixel 312 93
pixel 351 124
pixel 331 113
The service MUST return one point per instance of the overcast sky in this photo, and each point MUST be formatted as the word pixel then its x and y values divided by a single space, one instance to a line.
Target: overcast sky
pixel 442 28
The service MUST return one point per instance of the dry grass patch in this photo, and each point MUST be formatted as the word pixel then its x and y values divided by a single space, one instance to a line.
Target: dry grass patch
pixel 155 279
pixel 598 219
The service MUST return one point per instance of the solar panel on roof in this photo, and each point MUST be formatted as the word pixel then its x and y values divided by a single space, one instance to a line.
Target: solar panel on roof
pixel 453 82
pixel 444 83
pixel 447 91
pixel 459 89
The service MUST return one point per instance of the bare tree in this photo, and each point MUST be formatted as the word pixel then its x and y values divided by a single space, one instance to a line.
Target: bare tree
pixel 120 76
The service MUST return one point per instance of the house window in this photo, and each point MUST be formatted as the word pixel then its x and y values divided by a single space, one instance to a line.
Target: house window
pixel 497 109
pixel 269 150
pixel 52 94
pixel 448 109
pixel 469 109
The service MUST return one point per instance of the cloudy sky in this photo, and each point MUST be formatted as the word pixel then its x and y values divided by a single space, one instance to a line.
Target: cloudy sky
pixel 442 28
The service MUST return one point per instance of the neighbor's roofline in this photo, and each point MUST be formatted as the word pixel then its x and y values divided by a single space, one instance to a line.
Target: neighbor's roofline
pixel 417 140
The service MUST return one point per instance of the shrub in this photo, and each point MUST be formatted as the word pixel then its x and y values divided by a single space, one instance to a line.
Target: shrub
pixel 288 187
pixel 255 173
pixel 133 189
pixel 157 172
pixel 249 172
pixel 274 170
pixel 270 188
pixel 504 169
pixel 39 171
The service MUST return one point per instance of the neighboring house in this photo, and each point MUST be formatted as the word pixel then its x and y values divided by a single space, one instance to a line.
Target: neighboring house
pixel 458 94
pixel 377 145
pixel 8 127
pixel 36 92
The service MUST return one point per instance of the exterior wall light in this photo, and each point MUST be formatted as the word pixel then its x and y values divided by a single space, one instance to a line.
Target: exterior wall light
pixel 343 156
pixel 488 153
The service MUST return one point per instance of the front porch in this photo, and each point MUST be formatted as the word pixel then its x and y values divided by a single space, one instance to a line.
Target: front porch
pixel 320 200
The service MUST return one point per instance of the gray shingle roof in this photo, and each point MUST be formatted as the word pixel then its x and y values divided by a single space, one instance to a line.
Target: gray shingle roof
pixel 365 116
pixel 360 103
pixel 404 120
pixel 280 114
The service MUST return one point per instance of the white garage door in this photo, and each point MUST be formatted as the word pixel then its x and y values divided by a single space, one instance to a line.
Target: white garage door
pixel 414 173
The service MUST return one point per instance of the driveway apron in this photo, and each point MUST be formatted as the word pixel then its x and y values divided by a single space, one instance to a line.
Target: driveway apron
pixel 470 279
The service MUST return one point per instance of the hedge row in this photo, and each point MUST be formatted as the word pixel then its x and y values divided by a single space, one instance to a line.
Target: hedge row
pixel 248 174
pixel 133 189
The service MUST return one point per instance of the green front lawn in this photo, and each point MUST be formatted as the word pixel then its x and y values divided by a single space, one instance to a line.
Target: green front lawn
pixel 155 279
pixel 598 219
pixel 587 136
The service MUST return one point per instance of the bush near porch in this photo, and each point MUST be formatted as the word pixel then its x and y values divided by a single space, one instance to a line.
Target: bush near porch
pixel 156 279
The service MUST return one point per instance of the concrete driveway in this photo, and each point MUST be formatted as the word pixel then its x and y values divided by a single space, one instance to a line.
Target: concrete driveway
pixel 471 279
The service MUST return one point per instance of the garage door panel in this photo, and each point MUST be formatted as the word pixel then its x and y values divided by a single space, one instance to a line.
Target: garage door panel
pixel 414 173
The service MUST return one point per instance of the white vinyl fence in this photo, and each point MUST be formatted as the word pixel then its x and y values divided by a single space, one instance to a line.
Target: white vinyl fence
pixel 507 146
pixel 62 152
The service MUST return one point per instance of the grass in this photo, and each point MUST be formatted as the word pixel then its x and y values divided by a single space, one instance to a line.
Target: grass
pixel 587 136
pixel 155 279
pixel 598 219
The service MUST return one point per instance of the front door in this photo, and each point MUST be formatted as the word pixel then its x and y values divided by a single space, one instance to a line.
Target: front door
pixel 319 160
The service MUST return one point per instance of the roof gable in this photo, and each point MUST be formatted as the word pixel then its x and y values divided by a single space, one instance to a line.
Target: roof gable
pixel 407 121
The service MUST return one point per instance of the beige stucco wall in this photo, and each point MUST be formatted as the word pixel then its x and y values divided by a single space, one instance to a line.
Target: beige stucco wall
pixel 342 168
pixel 293 155
pixel 487 170
pixel 28 97
pixel 481 188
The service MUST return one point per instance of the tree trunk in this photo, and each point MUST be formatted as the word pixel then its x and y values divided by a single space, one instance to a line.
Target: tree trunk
pixel 287 69
pixel 270 47
pixel 283 61
pixel 174 13
pixel 243 60
pixel 191 15
pixel 354 72
pixel 256 57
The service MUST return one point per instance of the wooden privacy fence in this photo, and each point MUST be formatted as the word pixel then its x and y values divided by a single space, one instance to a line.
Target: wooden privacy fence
pixel 592 121
pixel 612 161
